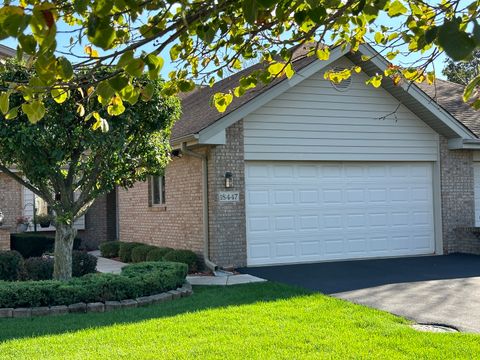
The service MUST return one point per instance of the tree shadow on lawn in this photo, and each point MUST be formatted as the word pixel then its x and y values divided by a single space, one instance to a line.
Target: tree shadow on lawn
pixel 204 297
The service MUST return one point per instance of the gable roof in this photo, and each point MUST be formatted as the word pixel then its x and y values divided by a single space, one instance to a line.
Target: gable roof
pixel 449 96
pixel 440 105
pixel 197 113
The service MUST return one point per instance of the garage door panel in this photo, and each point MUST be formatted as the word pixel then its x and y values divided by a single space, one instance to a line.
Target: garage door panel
pixel 325 211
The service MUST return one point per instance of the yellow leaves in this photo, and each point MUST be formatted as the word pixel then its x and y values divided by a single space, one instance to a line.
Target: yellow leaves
pixel 336 76
pixel 471 89
pixel 289 72
pixel 81 110
pixel 357 69
pixel 323 53
pixel 221 101
pixel 100 123
pixel 375 81
pixel 91 51
pixel 35 110
pixel 430 78
pixel 4 102
pixel 116 106
pixel 59 94
pixel 277 69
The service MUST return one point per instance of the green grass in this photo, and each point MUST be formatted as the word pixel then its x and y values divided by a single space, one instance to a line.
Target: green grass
pixel 262 321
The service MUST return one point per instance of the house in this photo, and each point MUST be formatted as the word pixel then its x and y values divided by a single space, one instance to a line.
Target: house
pixel 97 225
pixel 304 170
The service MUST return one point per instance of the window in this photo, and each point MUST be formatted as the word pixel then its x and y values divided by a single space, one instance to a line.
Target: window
pixel 157 190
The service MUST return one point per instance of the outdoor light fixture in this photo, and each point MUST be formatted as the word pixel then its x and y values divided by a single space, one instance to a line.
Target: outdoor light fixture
pixel 228 180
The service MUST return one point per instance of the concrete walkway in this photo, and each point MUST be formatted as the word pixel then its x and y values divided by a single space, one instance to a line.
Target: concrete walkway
pixel 105 265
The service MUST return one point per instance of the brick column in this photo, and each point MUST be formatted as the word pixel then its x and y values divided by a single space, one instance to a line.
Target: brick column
pixel 5 237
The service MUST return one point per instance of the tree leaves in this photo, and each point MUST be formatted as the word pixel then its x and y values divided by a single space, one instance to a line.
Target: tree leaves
pixel 250 10
pixel 59 94
pixel 457 44
pixel 34 110
pixel 469 89
pixel 4 102
pixel 396 8
pixel 221 101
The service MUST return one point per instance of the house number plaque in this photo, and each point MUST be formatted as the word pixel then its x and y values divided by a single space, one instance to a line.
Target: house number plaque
pixel 229 196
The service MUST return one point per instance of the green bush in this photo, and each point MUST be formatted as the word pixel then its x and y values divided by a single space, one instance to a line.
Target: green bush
pixel 11 265
pixel 39 268
pixel 109 249
pixel 183 256
pixel 139 253
pixel 83 263
pixel 125 251
pixel 134 281
pixel 35 244
pixel 157 254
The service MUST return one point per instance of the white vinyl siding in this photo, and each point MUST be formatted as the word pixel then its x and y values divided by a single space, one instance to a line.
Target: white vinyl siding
pixel 315 211
pixel 313 121
pixel 28 199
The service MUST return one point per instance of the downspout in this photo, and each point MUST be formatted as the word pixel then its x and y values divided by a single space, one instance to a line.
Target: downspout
pixel 206 240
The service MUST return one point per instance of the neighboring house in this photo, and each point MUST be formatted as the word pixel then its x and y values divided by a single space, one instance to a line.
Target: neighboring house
pixel 96 226
pixel 317 172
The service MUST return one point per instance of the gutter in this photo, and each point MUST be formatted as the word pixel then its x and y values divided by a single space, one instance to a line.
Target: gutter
pixel 459 143
pixel 206 240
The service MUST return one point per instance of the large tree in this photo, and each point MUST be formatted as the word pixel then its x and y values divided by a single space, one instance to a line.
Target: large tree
pixel 463 72
pixel 204 37
pixel 68 165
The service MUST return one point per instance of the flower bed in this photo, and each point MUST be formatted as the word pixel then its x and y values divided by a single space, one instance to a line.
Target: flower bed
pixel 136 280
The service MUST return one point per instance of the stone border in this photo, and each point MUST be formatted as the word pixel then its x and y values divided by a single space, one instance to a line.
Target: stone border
pixel 97 307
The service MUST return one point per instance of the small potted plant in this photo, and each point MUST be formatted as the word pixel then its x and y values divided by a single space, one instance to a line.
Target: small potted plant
pixel 44 220
pixel 22 223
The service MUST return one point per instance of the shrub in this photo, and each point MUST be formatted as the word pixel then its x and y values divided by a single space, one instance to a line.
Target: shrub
pixel 83 263
pixel 136 280
pixel 157 254
pixel 125 251
pixel 39 268
pixel 109 249
pixel 183 256
pixel 11 265
pixel 35 244
pixel 139 253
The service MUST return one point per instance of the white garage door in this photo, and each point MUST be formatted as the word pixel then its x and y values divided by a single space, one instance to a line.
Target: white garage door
pixel 302 212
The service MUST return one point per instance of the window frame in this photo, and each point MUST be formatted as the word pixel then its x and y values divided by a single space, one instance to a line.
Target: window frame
pixel 161 190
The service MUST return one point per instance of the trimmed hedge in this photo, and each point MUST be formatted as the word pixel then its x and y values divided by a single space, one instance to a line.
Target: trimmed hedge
pixel 125 251
pixel 134 281
pixel 157 254
pixel 11 265
pixel 39 268
pixel 183 256
pixel 139 253
pixel 35 244
pixel 83 263
pixel 109 249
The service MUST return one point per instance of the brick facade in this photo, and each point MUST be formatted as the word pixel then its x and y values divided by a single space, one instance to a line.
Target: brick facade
pixel 10 200
pixel 228 244
pixel 97 220
pixel 458 205
pixel 178 224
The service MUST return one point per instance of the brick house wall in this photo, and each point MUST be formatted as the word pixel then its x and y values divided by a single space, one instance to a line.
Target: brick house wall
pixel 228 244
pixel 10 200
pixel 458 204
pixel 178 224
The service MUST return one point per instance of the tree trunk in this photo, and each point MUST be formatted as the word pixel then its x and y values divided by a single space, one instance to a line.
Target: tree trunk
pixel 64 235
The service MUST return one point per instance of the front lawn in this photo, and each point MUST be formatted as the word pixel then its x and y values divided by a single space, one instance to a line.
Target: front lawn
pixel 264 321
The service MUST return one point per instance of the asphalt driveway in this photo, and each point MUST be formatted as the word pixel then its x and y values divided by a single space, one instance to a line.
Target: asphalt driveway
pixel 428 289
